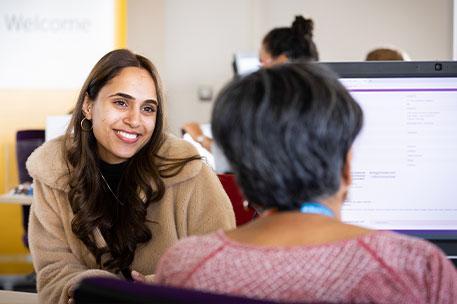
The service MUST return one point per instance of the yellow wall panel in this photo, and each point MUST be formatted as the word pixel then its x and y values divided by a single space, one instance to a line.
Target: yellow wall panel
pixel 121 24
pixel 12 250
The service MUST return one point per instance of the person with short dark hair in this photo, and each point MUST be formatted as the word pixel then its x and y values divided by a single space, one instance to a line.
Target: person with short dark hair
pixel 117 190
pixel 289 43
pixel 287 132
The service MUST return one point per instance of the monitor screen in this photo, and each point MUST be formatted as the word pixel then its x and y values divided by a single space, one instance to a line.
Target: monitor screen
pixel 56 125
pixel 245 63
pixel 405 158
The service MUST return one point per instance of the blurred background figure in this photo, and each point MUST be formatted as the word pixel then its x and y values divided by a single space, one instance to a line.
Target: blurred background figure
pixel 387 54
pixel 280 45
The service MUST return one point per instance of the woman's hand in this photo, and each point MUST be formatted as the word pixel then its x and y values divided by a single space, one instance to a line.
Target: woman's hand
pixel 193 129
pixel 139 277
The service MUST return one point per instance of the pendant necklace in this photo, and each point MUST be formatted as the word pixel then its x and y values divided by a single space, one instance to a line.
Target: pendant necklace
pixel 109 188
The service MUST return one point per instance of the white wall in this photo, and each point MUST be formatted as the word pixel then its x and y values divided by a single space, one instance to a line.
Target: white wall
pixel 454 29
pixel 192 42
pixel 201 37
pixel 146 29
pixel 346 30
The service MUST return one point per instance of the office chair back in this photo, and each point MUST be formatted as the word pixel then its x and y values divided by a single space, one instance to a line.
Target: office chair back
pixel 108 290
pixel 243 214
pixel 26 142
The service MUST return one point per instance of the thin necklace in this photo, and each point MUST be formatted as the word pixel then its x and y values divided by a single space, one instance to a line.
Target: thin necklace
pixel 109 188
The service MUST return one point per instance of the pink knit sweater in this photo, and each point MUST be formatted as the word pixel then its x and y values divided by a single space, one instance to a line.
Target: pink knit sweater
pixel 381 267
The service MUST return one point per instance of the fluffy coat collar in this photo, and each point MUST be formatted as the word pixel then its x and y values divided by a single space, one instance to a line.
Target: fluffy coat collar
pixel 47 164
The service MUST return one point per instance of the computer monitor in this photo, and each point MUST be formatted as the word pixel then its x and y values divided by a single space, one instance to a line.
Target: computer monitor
pixel 245 63
pixel 56 125
pixel 404 166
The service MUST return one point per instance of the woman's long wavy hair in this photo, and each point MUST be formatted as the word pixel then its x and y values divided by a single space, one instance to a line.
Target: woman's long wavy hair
pixel 123 226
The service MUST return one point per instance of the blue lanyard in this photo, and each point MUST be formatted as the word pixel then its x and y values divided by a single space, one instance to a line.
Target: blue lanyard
pixel 316 208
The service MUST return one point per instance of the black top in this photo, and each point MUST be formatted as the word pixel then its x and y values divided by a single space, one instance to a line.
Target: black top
pixel 112 174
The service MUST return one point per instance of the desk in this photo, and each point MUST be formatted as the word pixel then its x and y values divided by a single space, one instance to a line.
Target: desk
pixel 11 198
pixel 15 297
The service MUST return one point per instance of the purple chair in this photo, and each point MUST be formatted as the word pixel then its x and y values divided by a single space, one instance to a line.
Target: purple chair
pixel 106 290
pixel 26 142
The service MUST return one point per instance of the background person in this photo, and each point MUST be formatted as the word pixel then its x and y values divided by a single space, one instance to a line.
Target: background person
pixel 279 45
pixel 287 131
pixel 116 190
pixel 284 44
pixel 386 54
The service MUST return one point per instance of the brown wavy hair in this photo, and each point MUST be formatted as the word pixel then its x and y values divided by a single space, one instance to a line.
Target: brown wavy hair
pixel 123 226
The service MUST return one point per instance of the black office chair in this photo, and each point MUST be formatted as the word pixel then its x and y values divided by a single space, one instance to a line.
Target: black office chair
pixel 26 142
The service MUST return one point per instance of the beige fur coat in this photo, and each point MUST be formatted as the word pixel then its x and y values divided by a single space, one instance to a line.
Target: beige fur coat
pixel 194 203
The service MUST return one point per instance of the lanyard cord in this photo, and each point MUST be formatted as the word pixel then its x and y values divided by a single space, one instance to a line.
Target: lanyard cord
pixel 316 208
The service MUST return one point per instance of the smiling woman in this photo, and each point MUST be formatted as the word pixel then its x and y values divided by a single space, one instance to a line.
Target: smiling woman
pixel 116 191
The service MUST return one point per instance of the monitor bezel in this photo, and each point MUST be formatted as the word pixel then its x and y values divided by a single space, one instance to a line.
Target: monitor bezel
pixel 400 69
pixel 445 239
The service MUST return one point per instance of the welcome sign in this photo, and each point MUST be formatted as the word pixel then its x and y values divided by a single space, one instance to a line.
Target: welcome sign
pixel 52 44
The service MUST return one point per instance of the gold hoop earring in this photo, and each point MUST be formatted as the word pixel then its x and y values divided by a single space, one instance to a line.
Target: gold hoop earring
pixel 82 125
